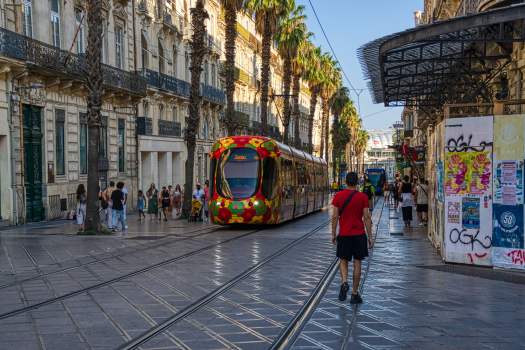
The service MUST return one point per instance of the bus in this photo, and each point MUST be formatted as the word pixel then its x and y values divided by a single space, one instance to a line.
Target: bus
pixel 378 178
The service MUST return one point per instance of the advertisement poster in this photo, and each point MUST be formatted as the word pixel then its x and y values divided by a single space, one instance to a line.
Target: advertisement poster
pixel 508 195
pixel 508 171
pixel 480 171
pixel 498 183
pixel 470 212
pixel 508 226
pixel 454 212
pixel 457 172
pixel 508 136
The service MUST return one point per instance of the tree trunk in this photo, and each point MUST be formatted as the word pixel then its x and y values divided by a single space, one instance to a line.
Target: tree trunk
pixel 231 33
pixel 198 15
pixel 265 73
pixel 323 129
pixel 93 77
pixel 335 145
pixel 296 111
pixel 313 103
pixel 287 81
pixel 326 115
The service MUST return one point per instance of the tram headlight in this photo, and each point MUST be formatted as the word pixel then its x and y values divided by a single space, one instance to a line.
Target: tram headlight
pixel 256 203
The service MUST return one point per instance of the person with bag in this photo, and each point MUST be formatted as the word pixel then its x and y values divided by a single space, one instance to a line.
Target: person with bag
pixel 108 193
pixel 421 194
pixel 165 202
pixel 406 199
pixel 102 206
pixel 386 191
pixel 351 212
pixel 370 192
pixel 118 207
pixel 81 205
pixel 153 202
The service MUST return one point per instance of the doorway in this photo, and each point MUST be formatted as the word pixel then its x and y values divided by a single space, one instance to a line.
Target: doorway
pixel 32 132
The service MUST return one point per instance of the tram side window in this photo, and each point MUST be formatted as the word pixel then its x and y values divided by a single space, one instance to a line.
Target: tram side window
pixel 213 165
pixel 270 181
pixel 238 173
pixel 318 179
pixel 288 169
pixel 311 174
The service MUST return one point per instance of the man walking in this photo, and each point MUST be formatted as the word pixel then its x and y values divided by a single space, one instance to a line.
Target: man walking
pixel 125 192
pixel 370 192
pixel 350 209
pixel 199 193
pixel 421 194
pixel 118 206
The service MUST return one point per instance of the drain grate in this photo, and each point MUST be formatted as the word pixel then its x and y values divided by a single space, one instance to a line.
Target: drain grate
pixel 479 272
pixel 397 234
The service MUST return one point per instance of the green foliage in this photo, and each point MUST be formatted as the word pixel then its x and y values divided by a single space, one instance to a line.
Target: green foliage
pixel 87 233
pixel 106 232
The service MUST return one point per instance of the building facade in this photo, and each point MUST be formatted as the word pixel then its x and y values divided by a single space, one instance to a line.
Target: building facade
pixel 378 154
pixel 146 60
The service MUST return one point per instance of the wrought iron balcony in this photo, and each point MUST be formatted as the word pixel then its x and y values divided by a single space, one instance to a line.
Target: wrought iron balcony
pixel 242 118
pixel 212 93
pixel 173 84
pixel 171 18
pixel 144 126
pixel 169 128
pixel 56 61
pixel 152 77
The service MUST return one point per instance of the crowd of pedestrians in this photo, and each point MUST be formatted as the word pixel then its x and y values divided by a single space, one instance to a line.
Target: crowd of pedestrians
pixel 113 201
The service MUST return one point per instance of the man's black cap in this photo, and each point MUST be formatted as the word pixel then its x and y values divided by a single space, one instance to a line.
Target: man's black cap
pixel 352 178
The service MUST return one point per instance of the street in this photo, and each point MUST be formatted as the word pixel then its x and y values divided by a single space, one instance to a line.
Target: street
pixel 63 291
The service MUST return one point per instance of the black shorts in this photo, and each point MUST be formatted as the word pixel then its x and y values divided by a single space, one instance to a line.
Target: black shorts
pixel 422 208
pixel 349 247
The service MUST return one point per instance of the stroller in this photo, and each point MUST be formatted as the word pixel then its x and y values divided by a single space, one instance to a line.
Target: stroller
pixel 196 211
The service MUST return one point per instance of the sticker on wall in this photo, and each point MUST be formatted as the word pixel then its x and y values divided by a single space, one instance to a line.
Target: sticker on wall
pixel 508 226
pixel 508 170
pixel 454 212
pixel 470 212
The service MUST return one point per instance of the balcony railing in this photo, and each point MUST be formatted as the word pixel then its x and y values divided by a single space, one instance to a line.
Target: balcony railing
pixel 171 18
pixel 42 55
pixel 212 93
pixel 169 128
pixel 144 126
pixel 242 118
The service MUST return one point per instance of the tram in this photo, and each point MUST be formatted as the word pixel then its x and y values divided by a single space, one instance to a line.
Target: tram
pixel 378 178
pixel 257 180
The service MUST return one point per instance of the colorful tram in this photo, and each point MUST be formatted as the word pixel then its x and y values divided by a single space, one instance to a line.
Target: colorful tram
pixel 257 180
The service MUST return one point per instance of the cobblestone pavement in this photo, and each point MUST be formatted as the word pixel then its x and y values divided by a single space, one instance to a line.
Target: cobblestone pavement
pixel 62 291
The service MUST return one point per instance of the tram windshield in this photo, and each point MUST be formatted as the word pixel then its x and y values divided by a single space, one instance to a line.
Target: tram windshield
pixel 238 173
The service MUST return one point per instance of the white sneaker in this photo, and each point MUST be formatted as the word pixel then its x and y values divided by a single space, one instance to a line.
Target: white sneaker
pixel 420 224
pixel 205 219
pixel 125 227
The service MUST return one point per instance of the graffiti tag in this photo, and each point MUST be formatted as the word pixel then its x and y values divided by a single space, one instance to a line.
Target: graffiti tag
pixel 458 145
pixel 517 256
pixel 457 236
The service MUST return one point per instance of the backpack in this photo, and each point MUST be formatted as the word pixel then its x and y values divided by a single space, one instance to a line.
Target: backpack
pixel 103 203
pixel 71 215
pixel 368 191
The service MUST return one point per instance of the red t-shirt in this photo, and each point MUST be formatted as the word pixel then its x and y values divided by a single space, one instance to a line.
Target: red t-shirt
pixel 351 221
pixel 206 194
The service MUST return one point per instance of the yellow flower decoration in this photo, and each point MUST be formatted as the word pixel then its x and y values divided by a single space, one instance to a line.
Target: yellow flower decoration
pixel 227 142
pixel 271 220
pixel 235 219
pixel 255 142
pixel 257 219
pixel 218 221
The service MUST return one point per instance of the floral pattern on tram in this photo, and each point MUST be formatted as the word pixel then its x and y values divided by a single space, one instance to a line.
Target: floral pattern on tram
pixel 254 210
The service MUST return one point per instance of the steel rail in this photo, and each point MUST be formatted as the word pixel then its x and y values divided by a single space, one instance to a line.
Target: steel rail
pixel 291 332
pixel 131 274
pixel 105 259
pixel 170 321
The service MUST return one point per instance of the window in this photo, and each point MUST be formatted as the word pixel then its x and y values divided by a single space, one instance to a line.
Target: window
pixel 161 58
pixel 80 38
pixel 162 112
pixel 55 23
pixel 103 41
pixel 83 143
pixel 121 145
pixel 238 173
pixel 27 18
pixel 175 69
pixel 270 181
pixel 205 72
pixel 213 165
pixel 205 129
pixel 175 114
pixel 60 118
pixel 213 75
pixel 118 46
pixel 103 139
pixel 187 68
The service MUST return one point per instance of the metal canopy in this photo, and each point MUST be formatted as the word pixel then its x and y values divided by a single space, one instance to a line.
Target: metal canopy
pixel 450 61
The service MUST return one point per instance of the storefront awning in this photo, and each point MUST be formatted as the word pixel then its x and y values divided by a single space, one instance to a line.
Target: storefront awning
pixel 449 61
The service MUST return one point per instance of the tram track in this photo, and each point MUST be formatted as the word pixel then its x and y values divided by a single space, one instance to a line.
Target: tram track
pixel 120 278
pixel 98 261
pixel 217 293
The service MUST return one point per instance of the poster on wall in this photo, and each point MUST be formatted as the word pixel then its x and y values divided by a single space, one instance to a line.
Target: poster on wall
pixel 508 226
pixel 470 212
pixel 456 172
pixel 480 172
pixel 439 181
pixel 508 136
pixel 454 212
pixel 508 170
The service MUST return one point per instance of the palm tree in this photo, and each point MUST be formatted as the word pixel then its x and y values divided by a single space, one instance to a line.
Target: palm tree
pixel 338 107
pixel 267 16
pixel 355 124
pixel 299 67
pixel 230 17
pixel 360 146
pixel 290 35
pixel 198 15
pixel 330 84
pixel 93 77
pixel 313 76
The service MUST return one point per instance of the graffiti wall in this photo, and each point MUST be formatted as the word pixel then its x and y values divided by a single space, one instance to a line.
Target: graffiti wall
pixel 466 178
pixel 508 209
pixel 435 157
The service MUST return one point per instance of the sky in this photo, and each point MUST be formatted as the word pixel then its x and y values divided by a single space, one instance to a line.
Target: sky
pixel 348 24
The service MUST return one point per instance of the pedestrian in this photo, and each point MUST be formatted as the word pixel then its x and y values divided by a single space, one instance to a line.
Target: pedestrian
pixel 206 199
pixel 407 200
pixel 153 202
pixel 396 193
pixel 81 205
pixel 386 190
pixel 125 192
pixel 140 205
pixel 108 193
pixel 370 192
pixel 172 194
pixel 177 199
pixel 351 212
pixel 199 193
pixel 421 194
pixel 391 188
pixel 101 211
pixel 334 187
pixel 118 207
pixel 165 202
